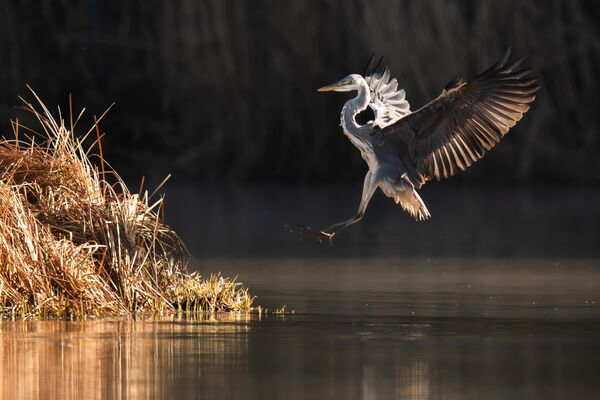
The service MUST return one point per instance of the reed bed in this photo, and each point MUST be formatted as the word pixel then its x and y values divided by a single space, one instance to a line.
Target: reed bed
pixel 253 68
pixel 74 241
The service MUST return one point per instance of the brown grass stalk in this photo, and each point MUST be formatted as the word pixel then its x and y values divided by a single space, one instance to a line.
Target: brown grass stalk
pixel 73 244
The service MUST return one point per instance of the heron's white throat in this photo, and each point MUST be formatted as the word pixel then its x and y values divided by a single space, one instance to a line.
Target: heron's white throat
pixel 359 134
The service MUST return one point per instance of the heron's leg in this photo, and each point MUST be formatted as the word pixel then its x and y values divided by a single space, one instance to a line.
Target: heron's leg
pixel 369 187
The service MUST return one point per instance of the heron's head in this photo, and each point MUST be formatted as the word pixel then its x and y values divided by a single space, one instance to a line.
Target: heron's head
pixel 349 83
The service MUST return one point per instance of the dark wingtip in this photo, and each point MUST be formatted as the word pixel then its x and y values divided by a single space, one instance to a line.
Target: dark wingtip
pixel 373 68
pixel 369 65
pixel 505 57
pixel 377 69
pixel 537 86
pixel 455 83
pixel 498 64
pixel 511 67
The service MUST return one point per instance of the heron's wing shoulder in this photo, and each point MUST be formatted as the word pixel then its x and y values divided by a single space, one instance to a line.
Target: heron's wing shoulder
pixel 464 121
pixel 388 103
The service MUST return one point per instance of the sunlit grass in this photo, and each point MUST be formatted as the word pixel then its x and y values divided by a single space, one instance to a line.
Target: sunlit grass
pixel 74 241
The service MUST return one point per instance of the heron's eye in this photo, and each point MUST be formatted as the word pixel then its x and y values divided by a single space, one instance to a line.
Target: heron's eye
pixel 347 82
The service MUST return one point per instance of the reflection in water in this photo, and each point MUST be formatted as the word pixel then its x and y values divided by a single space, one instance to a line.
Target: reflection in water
pixel 363 329
pixel 116 359
pixel 416 381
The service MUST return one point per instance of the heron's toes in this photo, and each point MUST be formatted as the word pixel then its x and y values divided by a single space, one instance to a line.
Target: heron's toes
pixel 329 236
pixel 319 235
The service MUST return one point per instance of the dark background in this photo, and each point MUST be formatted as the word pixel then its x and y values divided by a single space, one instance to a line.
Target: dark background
pixel 224 91
pixel 496 296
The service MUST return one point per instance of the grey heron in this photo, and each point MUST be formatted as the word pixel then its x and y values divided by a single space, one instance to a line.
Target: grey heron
pixel 405 149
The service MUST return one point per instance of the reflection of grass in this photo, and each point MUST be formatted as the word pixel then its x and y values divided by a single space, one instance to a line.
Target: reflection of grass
pixel 118 358
pixel 74 242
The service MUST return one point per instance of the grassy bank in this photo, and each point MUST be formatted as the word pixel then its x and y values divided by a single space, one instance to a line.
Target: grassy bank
pixel 74 241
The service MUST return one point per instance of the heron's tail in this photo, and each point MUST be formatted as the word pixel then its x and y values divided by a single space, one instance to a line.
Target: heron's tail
pixel 412 203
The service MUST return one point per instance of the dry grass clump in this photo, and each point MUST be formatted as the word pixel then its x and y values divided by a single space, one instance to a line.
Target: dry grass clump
pixel 73 244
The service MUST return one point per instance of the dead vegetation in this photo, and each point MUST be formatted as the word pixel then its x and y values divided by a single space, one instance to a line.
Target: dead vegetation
pixel 74 241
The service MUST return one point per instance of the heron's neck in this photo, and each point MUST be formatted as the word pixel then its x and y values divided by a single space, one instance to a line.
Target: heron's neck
pixel 353 107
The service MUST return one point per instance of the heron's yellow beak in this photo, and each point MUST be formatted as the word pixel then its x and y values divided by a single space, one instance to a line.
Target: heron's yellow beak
pixel 332 87
pixel 328 88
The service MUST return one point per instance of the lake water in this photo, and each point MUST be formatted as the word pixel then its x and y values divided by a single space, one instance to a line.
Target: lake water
pixel 498 300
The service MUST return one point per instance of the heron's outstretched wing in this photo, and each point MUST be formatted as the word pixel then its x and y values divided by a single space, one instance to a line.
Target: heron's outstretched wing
pixel 387 102
pixel 467 119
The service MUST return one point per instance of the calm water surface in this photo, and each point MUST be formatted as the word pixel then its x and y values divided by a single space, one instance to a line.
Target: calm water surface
pixel 362 329
pixel 497 297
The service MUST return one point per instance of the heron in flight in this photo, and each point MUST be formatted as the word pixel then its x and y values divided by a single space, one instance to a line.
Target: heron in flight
pixel 405 149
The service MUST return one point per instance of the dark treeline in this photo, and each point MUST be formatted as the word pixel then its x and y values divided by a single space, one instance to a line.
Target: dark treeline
pixel 225 90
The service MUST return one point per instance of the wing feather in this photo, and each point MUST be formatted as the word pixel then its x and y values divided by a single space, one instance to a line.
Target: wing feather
pixel 466 120
pixel 387 102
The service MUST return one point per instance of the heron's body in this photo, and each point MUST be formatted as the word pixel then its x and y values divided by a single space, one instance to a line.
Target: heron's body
pixel 386 168
pixel 405 149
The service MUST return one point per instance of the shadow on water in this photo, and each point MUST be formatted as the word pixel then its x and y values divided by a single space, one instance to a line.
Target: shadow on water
pixel 495 298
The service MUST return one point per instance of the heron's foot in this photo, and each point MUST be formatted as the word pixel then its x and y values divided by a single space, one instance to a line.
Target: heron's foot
pixel 321 236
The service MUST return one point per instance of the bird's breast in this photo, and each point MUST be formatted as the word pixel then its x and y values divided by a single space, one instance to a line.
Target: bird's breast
pixel 366 150
pixel 358 135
